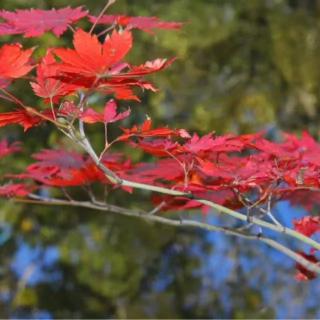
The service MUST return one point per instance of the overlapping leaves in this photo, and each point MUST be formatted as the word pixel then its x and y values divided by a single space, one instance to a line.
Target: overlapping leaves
pixel 233 171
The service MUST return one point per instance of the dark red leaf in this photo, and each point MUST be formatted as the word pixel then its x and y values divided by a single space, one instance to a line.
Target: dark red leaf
pixel 143 23
pixel 34 22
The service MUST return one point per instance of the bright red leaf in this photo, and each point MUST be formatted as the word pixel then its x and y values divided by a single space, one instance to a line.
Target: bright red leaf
pixel 14 61
pixel 92 59
pixel 97 65
pixel 145 130
pixel 24 118
pixel 46 86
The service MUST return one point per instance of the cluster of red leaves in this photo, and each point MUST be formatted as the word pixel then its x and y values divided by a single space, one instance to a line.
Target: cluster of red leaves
pixel 60 168
pixel 89 115
pixel 308 226
pixel 91 65
pixel 35 22
pixel 248 164
pixel 227 170
pixel 100 65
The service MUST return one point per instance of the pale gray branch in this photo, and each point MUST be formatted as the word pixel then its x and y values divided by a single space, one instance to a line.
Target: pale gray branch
pixel 178 223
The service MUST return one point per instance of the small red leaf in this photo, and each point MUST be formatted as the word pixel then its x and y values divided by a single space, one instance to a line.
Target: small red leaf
pixel 110 112
pixel 14 61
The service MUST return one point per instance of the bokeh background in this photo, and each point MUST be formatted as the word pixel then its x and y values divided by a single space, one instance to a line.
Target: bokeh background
pixel 242 66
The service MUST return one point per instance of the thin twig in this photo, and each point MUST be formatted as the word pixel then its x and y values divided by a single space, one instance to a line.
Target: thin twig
pixel 109 3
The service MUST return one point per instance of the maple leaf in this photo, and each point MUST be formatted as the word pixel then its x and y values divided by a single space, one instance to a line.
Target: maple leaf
pixel 143 23
pixel 6 149
pixel 145 130
pixel 13 190
pixel 23 117
pixel 92 59
pixel 56 168
pixel 145 68
pixel 60 168
pixel 14 61
pixel 109 115
pixel 97 65
pixel 219 171
pixel 35 22
pixel 158 147
pixel 275 149
pixel 307 225
pixel 91 116
pixel 46 86
pixel 60 158
pixel 163 170
pixel 209 143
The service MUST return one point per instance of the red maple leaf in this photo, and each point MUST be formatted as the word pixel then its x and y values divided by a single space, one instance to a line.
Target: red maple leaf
pixel 24 117
pixel 109 115
pixel 56 168
pixel 34 22
pixel 97 65
pixel 60 158
pixel 46 86
pixel 143 23
pixel 163 170
pixel 307 225
pixel 145 130
pixel 60 168
pixel 91 59
pixel 159 147
pixel 209 143
pixel 14 61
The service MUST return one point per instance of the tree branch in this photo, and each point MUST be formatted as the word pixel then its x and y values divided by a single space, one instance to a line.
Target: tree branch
pixel 35 199
pixel 86 145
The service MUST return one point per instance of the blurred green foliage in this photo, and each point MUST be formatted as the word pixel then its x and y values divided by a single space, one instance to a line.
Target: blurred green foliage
pixel 242 66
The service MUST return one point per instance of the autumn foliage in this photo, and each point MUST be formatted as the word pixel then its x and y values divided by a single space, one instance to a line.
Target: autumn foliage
pixel 245 173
